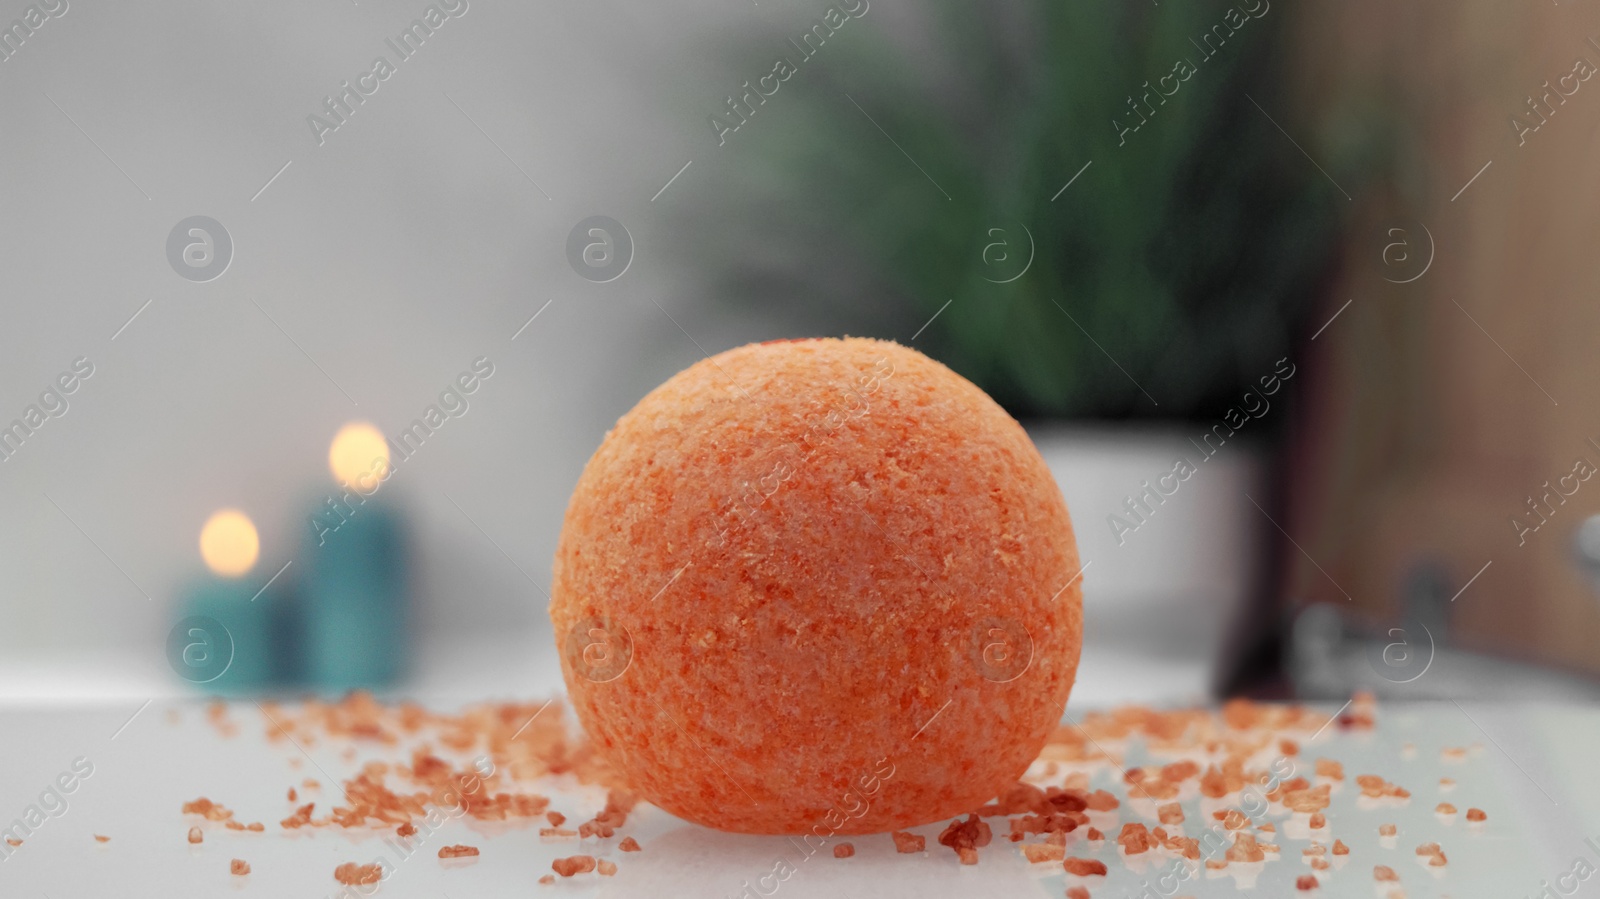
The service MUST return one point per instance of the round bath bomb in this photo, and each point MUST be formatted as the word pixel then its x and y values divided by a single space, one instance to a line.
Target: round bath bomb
pixel 817 586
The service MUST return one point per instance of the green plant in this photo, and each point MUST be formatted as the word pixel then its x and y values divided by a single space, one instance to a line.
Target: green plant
pixel 1186 255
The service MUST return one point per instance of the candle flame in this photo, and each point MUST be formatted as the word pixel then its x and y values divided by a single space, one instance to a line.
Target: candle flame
pixel 359 456
pixel 229 543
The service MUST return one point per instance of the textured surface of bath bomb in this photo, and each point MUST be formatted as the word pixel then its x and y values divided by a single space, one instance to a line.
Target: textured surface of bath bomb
pixel 820 586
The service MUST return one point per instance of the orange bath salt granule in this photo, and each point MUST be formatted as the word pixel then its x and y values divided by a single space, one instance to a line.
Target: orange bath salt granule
pixel 1445 808
pixel 352 874
pixel 1084 867
pixel 605 868
pixel 908 842
pixel 100 839
pixel 239 867
pixel 575 864
pixel 1171 813
pixel 547 879
pixel 1384 873
pixel 1306 882
pixel 1476 814
pixel 629 844
pixel 1386 830
pixel 844 490
pixel 1077 892
pixel 196 835
pixel 556 819
pixel 1339 848
pixel 457 851
pixel 844 850
pixel 1244 848
pixel 1318 821
pixel 405 830
pixel 1043 852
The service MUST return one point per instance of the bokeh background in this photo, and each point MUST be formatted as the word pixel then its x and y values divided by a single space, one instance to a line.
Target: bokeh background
pixel 1335 256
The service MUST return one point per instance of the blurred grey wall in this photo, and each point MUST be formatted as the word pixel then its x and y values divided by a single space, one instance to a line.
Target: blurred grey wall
pixel 422 233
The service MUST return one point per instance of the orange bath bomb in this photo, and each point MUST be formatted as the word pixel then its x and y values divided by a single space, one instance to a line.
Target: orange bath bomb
pixel 817 586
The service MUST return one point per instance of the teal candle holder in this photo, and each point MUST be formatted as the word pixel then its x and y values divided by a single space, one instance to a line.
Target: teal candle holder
pixel 354 605
pixel 228 640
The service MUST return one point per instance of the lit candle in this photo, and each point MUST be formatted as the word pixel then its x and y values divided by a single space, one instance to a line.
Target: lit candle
pixel 242 655
pixel 356 595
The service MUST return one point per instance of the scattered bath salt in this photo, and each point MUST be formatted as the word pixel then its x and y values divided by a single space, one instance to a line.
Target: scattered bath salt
pixel 548 879
pixel 1134 839
pixel 1043 852
pixel 629 844
pixel 1386 830
pixel 1446 784
pixel 1384 873
pixel 293 796
pixel 196 835
pixel 966 838
pixel 457 851
pixel 1077 893
pixel 1320 864
pixel 576 864
pixel 1476 814
pixel 1101 801
pixel 1171 813
pixel 1084 867
pixel 1314 849
pixel 1445 808
pixel 605 868
pixel 300 818
pixel 1268 827
pixel 239 867
pixel 13 842
pixel 1244 848
pixel 844 850
pixel 1306 882
pixel 101 839
pixel 556 819
pixel 1339 848
pixel 1318 821
pixel 405 830
pixel 352 874
pixel 1232 819
pixel 559 833
pixel 207 809
pixel 908 842
pixel 1093 835
pixel 1330 769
